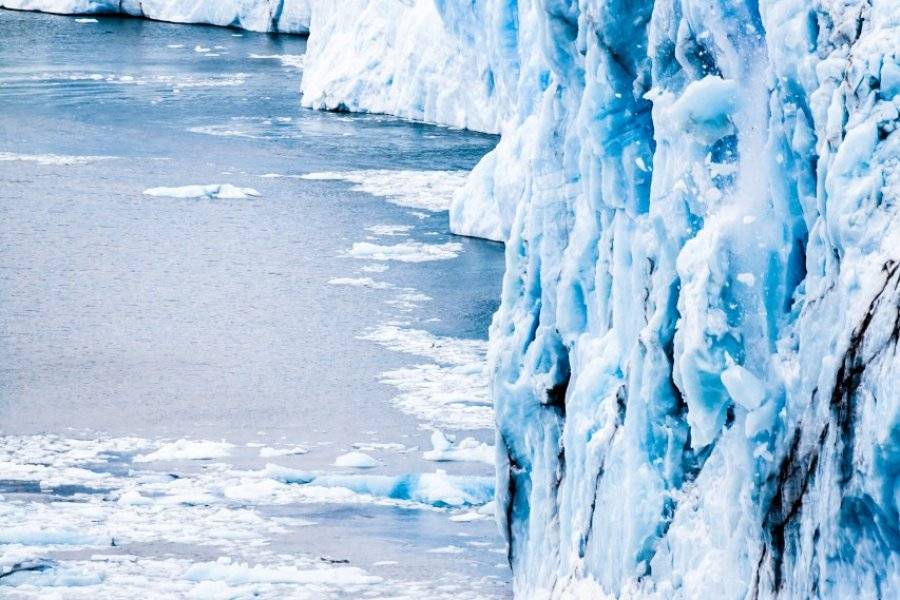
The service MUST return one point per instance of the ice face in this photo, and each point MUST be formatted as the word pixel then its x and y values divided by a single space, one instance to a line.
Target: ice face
pixel 693 360
pixel 285 16
pixel 400 58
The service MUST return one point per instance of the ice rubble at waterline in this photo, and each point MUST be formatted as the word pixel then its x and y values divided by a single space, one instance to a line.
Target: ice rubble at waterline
pixel 694 364
pixel 285 16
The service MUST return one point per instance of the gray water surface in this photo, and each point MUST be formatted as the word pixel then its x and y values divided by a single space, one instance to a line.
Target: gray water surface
pixel 123 314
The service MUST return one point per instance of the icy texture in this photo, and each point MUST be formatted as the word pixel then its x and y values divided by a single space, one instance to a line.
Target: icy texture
pixel 97 505
pixel 397 57
pixel 695 361
pixel 286 16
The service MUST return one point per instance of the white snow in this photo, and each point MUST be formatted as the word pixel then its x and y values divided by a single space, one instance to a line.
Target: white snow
pixel 215 190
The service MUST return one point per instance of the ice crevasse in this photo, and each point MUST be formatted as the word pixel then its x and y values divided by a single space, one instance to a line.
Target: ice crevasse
pixel 285 16
pixel 695 363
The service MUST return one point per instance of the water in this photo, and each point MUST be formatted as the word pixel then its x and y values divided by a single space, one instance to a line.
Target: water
pixel 128 321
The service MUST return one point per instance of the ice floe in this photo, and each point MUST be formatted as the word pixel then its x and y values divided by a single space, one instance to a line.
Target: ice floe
pixel 410 252
pixel 187 450
pixel 52 159
pixel 389 230
pixel 366 282
pixel 427 190
pixel 287 60
pixel 469 449
pixel 215 190
pixel 450 390
pixel 269 452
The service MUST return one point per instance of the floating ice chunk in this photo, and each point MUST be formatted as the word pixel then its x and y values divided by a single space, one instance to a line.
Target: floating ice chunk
pixel 432 489
pixel 187 450
pixel 428 190
pixel 215 190
pixel 201 49
pixel 448 350
pixel 389 230
pixel 287 60
pixel 357 460
pixel 242 573
pixel 268 452
pixel 366 282
pixel 175 46
pixel 451 394
pixel 52 577
pixel 469 449
pixel 52 159
pixel 40 534
pixel 86 20
pixel 410 252
pixel 485 512
pixel 743 387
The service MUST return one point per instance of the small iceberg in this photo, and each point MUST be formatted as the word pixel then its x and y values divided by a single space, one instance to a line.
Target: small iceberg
pixel 356 460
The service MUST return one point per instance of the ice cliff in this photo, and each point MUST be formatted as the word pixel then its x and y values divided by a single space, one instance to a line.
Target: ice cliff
pixel 695 364
pixel 286 16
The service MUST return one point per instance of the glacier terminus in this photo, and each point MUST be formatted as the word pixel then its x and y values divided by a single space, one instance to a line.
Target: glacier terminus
pixel 694 365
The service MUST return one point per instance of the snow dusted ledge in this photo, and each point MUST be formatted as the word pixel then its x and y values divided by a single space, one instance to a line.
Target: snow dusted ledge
pixel 695 361
pixel 284 16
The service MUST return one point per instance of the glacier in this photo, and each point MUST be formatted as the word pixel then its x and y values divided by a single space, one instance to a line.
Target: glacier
pixel 694 363
pixel 284 16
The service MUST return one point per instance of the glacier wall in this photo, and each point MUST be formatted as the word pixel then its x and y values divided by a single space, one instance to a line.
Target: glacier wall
pixel 695 359
pixel 399 57
pixel 285 16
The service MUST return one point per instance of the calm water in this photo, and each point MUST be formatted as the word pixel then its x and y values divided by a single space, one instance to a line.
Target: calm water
pixel 124 315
